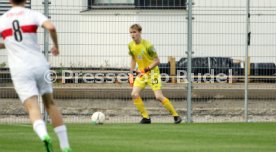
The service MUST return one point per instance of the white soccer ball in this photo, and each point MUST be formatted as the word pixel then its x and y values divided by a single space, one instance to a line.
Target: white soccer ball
pixel 98 118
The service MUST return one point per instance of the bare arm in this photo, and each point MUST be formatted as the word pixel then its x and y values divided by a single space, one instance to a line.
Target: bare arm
pixel 2 46
pixel 53 33
pixel 156 60
pixel 130 75
pixel 155 63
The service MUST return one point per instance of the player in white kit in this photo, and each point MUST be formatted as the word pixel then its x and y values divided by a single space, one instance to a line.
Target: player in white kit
pixel 28 67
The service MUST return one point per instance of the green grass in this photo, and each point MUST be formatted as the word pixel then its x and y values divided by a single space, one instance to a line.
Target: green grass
pixel 202 137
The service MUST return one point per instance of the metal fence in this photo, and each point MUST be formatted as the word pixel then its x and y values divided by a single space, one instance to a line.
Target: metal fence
pixel 209 39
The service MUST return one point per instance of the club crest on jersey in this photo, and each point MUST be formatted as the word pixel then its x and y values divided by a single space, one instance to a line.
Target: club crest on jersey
pixel 140 56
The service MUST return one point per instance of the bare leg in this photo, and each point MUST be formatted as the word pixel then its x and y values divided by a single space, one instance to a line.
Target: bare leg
pixel 159 95
pixel 136 92
pixel 52 110
pixel 165 101
pixel 32 107
pixel 57 121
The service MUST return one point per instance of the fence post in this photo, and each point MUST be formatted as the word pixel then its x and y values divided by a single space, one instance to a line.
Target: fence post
pixel 172 68
pixel 248 68
pixel 246 72
pixel 189 56
pixel 46 48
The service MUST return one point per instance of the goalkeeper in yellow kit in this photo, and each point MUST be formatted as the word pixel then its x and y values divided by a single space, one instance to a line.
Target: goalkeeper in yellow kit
pixel 143 53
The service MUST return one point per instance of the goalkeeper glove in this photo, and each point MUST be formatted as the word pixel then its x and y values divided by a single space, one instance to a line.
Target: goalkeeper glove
pixel 143 72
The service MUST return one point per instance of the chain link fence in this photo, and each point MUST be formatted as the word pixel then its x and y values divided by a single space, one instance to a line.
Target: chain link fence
pixel 90 73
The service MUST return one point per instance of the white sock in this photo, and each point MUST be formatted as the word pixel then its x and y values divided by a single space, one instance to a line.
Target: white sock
pixel 62 136
pixel 40 129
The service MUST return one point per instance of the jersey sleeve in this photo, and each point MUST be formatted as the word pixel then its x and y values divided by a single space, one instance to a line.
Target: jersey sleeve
pixel 152 52
pixel 129 51
pixel 39 18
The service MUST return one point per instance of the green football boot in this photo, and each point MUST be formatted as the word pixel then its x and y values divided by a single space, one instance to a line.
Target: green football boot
pixel 66 150
pixel 48 144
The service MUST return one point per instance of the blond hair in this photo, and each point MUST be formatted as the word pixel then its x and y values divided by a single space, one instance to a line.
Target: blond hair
pixel 136 27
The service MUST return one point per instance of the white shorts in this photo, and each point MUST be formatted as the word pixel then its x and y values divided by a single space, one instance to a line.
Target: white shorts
pixel 32 83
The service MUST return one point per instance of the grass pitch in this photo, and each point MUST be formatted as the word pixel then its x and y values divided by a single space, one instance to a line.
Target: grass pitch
pixel 202 137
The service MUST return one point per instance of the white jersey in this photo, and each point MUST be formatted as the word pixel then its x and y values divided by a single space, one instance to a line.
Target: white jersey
pixel 18 28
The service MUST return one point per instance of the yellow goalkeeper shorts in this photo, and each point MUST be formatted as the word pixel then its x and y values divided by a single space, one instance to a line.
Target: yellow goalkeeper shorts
pixel 154 81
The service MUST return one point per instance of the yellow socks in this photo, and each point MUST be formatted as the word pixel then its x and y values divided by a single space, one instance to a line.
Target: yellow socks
pixel 141 108
pixel 167 104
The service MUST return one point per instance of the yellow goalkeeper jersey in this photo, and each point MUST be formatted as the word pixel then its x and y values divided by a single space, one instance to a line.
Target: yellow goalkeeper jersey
pixel 143 53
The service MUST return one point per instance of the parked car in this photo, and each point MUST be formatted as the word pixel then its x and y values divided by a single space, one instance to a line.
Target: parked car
pixel 203 65
pixel 262 69
pixel 216 65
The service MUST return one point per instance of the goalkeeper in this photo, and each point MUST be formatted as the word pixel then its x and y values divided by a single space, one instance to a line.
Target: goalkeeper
pixel 143 53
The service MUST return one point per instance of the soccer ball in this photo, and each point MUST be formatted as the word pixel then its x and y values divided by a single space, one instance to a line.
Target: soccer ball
pixel 97 118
